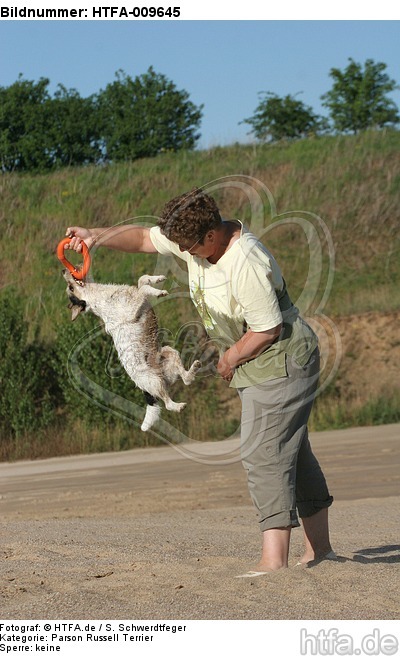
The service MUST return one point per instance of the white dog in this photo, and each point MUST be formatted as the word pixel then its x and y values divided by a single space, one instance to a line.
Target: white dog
pixel 130 320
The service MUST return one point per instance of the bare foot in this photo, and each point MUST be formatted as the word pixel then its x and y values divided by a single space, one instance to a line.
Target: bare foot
pixel 254 572
pixel 312 559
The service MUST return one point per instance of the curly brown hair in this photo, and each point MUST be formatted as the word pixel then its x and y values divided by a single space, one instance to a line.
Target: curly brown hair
pixel 189 217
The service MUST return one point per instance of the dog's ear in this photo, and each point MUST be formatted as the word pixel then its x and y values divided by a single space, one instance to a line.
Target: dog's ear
pixel 75 311
pixel 76 307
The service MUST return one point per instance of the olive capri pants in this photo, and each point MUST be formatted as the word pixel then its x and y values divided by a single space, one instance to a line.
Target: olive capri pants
pixel 282 472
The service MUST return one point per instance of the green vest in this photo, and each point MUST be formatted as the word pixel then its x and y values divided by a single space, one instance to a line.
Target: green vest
pixel 297 339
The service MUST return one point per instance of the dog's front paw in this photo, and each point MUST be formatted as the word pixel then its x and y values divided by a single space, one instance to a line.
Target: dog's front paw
pixel 150 280
pixel 175 407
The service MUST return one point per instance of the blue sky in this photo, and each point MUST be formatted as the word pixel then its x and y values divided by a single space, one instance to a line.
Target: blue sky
pixel 221 64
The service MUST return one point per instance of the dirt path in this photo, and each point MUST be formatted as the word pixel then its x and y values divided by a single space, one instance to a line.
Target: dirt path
pixel 153 534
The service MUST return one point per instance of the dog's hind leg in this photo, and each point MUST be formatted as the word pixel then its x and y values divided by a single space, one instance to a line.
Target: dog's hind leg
pixel 153 412
pixel 155 387
pixel 171 405
pixel 173 367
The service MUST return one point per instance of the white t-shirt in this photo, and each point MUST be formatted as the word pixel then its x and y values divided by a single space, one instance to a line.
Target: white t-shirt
pixel 241 290
pixel 237 290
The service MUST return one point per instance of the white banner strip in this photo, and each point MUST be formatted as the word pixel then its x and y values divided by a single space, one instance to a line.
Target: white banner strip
pixel 164 10
pixel 76 637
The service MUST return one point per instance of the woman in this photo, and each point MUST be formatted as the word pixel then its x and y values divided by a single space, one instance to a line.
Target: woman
pixel 267 352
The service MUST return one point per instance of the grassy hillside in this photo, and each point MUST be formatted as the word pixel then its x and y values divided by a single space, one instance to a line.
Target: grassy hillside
pixel 352 184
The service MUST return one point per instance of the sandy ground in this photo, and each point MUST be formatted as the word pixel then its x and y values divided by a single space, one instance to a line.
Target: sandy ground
pixel 151 534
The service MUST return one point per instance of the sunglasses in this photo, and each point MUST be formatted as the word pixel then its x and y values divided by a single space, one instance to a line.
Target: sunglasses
pixel 189 250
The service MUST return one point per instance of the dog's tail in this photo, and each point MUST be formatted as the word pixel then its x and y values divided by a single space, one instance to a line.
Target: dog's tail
pixel 153 411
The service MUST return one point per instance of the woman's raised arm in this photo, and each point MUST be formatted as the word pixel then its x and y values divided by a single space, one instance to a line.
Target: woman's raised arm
pixel 127 238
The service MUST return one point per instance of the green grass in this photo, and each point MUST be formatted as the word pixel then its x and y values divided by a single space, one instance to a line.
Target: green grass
pixel 350 182
pixel 329 413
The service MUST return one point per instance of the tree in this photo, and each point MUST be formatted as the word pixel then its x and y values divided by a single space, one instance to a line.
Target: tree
pixel 143 116
pixel 283 118
pixel 131 118
pixel 23 127
pixel 40 132
pixel 73 129
pixel 358 99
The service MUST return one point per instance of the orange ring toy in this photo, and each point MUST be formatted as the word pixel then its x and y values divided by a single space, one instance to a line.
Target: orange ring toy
pixel 79 274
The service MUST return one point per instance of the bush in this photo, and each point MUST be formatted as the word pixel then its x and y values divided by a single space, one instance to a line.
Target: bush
pixel 29 392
